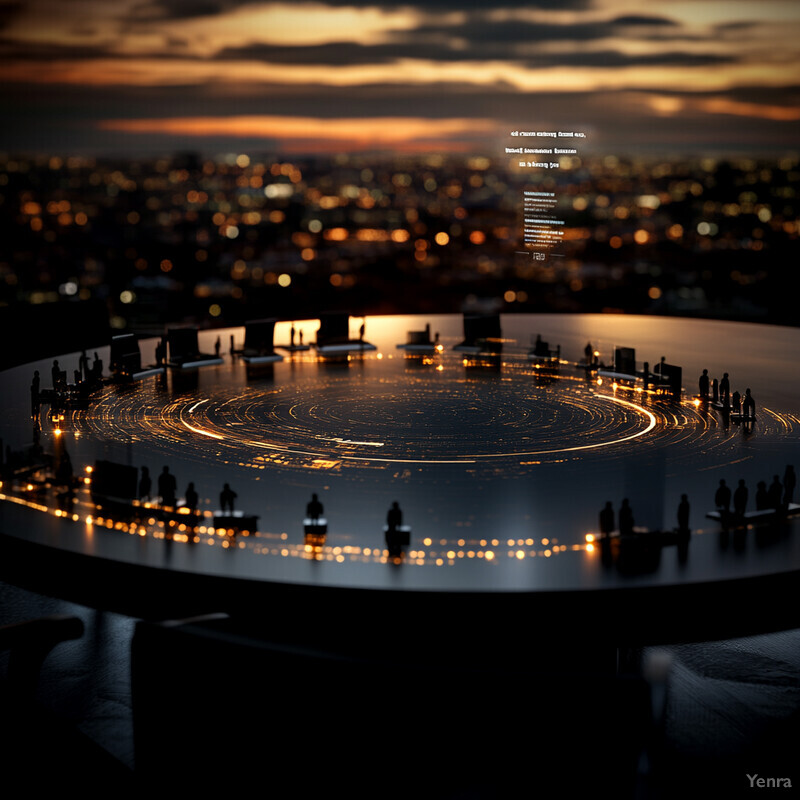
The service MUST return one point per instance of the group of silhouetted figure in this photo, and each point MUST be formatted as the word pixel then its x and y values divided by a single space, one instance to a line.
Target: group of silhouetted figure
pixel 168 491
pixel 607 526
pixel 85 378
pixel 720 392
pixel 625 519
pixel 775 497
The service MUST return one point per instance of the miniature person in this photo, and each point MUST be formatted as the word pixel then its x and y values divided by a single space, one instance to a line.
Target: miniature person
pixel 725 390
pixel 145 484
pixel 722 498
pixel 789 484
pixel 217 346
pixel 361 332
pixel 291 336
pixel 715 391
pixel 55 373
pixel 394 519
pixel 191 497
pixel 161 352
pixel 748 405
pixel 736 403
pixel 83 365
pixel 35 401
pixel 625 519
pixel 775 493
pixel 683 513
pixel 588 352
pixel 300 335
pixel 97 368
pixel 167 487
pixel 646 375
pixel 740 498
pixel 226 498
pixel 314 509
pixel 607 519
pixel 704 385
pixel 233 352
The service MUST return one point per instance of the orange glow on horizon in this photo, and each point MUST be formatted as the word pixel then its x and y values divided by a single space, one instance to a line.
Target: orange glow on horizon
pixel 308 134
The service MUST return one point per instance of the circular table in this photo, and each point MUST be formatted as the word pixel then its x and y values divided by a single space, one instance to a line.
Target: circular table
pixel 500 469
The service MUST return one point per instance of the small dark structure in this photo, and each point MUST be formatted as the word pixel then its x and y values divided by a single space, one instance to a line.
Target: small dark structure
pixel 482 334
pixel 333 335
pixel 419 343
pixel 126 359
pixel 258 342
pixel 184 350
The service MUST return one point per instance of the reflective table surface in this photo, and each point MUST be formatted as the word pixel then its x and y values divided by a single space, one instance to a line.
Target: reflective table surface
pixel 500 468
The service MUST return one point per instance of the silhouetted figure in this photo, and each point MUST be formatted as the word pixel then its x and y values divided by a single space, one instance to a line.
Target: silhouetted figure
pixel 683 514
pixel 145 484
pixel 361 332
pixel 217 346
pixel 55 373
pixel 83 365
pixel 539 347
pixel 97 368
pixel 191 497
pixel 704 385
pixel 646 375
pixel 35 401
pixel 395 538
pixel 161 352
pixel 314 509
pixel 725 390
pixel 394 519
pixel 233 351
pixel 789 484
pixel 607 519
pixel 762 498
pixel 76 374
pixel 736 403
pixel 722 499
pixel 748 405
pixel 588 353
pixel 740 498
pixel 625 519
pixel 292 333
pixel 715 391
pixel 167 487
pixel 775 493
pixel 226 498
pixel 436 338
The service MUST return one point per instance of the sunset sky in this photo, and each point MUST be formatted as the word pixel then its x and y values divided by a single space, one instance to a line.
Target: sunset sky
pixel 148 76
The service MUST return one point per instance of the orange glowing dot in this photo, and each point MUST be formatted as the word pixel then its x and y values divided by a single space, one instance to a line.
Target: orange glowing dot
pixel 589 537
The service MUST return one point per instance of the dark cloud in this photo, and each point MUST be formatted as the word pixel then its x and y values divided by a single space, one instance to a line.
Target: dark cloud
pixel 480 31
pixel 8 11
pixel 161 10
pixel 186 9
pixel 632 19
pixel 346 53
pixel 15 50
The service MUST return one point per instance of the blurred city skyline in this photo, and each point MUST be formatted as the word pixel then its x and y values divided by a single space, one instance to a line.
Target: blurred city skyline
pixel 146 77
